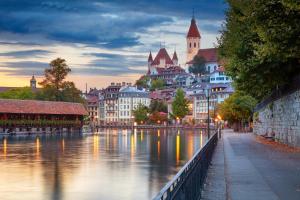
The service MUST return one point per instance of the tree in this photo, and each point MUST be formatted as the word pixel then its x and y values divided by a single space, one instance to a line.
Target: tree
pixel 180 105
pixel 158 106
pixel 18 93
pixel 198 66
pixel 157 84
pixel 260 44
pixel 158 117
pixel 237 108
pixel 142 82
pixel 55 88
pixel 141 113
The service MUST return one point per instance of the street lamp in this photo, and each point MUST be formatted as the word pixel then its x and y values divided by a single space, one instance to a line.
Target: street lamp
pixel 207 93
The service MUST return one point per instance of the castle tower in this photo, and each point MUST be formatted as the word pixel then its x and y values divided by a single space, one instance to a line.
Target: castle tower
pixel 150 59
pixel 33 82
pixel 192 40
pixel 175 58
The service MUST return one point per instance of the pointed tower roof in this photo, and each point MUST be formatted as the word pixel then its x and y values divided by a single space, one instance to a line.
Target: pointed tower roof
pixel 162 54
pixel 32 78
pixel 193 30
pixel 150 59
pixel 175 56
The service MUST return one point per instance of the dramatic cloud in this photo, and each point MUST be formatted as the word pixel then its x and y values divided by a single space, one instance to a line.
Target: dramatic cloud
pixel 35 32
pixel 26 53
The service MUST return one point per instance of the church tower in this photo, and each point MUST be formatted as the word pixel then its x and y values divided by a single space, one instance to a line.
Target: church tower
pixel 192 40
pixel 33 82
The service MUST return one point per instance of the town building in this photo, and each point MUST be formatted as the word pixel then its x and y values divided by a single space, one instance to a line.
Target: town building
pixel 111 109
pixel 218 93
pixel 163 67
pixel 93 107
pixel 32 116
pixel 128 100
pixel 219 76
pixel 212 64
pixel 184 80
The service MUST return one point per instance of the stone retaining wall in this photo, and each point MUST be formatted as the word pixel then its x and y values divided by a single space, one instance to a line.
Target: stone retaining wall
pixel 280 119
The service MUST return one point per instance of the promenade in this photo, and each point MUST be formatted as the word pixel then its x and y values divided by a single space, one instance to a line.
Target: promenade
pixel 245 167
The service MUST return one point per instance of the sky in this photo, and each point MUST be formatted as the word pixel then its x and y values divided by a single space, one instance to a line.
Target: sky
pixel 103 41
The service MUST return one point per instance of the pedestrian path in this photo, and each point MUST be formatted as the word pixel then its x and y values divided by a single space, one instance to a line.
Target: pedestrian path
pixel 252 170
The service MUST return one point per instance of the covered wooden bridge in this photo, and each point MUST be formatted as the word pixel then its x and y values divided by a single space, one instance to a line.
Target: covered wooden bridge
pixel 30 116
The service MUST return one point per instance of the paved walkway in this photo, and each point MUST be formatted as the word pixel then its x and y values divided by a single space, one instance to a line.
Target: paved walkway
pixel 252 170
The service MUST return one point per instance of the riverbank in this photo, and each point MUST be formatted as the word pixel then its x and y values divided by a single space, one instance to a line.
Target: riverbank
pixel 252 170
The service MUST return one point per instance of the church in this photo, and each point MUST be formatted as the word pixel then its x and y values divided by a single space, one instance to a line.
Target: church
pixel 167 68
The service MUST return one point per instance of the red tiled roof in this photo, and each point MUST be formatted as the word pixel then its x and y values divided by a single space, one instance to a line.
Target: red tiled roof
pixel 210 55
pixel 41 107
pixel 92 99
pixel 193 30
pixel 162 54
pixel 175 56
pixel 150 59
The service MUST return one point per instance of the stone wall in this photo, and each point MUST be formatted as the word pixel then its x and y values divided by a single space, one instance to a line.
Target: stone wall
pixel 280 119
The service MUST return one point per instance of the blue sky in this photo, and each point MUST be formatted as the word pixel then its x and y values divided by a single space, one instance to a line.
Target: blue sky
pixel 102 41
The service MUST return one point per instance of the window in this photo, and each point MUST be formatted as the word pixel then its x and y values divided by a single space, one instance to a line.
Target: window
pixel 190 45
pixel 195 45
pixel 208 68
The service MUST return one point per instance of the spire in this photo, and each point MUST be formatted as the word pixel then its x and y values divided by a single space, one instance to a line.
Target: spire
pixel 32 78
pixel 175 56
pixel 193 30
pixel 150 59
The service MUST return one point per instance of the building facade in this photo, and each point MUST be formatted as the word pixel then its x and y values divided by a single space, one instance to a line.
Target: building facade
pixel 129 99
pixel 111 112
pixel 218 93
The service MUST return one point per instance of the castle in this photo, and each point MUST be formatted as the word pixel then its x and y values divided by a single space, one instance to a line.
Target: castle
pixel 167 68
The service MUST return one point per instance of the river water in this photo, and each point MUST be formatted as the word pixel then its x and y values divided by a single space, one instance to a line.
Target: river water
pixel 112 164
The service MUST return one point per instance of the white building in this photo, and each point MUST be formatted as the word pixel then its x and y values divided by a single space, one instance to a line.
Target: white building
pixel 128 100
pixel 218 93
pixel 219 76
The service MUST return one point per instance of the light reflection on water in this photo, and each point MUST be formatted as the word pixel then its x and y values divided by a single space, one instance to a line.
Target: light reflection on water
pixel 113 164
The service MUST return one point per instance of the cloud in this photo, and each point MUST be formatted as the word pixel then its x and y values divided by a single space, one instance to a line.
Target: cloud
pixel 24 68
pixel 109 24
pixel 26 53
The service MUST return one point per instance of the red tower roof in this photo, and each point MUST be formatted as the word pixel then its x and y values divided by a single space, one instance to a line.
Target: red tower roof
pixel 175 56
pixel 193 30
pixel 162 54
pixel 150 59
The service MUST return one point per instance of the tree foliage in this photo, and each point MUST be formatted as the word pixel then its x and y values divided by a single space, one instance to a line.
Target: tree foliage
pixel 260 44
pixel 157 84
pixel 141 113
pixel 18 93
pixel 198 66
pixel 180 105
pixel 158 117
pixel 55 88
pixel 237 107
pixel 158 106
pixel 142 82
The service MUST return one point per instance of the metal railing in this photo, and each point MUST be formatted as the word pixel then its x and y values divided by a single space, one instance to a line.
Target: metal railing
pixel 188 182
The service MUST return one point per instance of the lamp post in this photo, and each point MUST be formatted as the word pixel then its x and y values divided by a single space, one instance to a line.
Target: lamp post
pixel 207 93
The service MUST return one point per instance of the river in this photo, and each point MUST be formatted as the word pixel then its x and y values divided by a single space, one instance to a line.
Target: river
pixel 112 164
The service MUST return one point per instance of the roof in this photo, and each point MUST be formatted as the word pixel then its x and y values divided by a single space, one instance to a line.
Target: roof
pixel 150 59
pixel 41 107
pixel 193 30
pixel 175 56
pixel 162 54
pixel 210 55
pixel 92 99
pixel 132 89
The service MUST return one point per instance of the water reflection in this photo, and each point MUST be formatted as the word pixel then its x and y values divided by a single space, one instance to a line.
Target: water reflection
pixel 114 164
